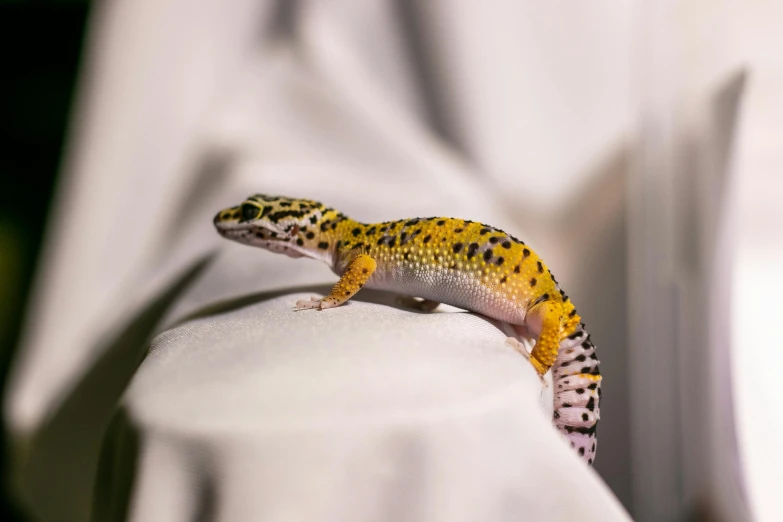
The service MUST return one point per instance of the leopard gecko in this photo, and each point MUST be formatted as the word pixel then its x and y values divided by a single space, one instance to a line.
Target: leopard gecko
pixel 442 260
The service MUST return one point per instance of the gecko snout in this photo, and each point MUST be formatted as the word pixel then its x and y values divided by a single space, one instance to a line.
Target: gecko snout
pixel 226 216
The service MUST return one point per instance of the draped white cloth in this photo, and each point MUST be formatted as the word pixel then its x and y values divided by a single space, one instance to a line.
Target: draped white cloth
pixel 516 115
pixel 369 413
pixel 384 110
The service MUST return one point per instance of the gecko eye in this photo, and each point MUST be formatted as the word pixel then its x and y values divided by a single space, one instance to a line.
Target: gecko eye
pixel 250 211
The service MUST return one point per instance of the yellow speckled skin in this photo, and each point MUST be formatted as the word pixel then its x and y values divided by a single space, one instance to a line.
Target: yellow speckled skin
pixel 454 261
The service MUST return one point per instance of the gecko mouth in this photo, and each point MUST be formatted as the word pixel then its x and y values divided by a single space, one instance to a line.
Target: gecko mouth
pixel 257 233
pixel 251 234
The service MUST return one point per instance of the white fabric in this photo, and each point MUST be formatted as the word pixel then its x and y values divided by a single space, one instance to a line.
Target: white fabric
pixel 384 110
pixel 160 102
pixel 364 412
pixel 515 114
pixel 711 249
pixel 757 282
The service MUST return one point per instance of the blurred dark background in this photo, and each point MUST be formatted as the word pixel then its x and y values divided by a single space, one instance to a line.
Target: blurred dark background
pixel 41 44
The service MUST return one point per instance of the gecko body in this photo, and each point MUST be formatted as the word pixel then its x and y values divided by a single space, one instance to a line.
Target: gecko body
pixel 454 261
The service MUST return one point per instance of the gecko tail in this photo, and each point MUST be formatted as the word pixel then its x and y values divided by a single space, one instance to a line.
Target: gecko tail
pixel 577 383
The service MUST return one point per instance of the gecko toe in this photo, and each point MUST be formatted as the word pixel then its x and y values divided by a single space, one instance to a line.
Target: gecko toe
pixel 304 304
pixel 316 303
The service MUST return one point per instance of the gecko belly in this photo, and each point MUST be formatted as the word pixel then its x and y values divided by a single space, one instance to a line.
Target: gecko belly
pixel 453 287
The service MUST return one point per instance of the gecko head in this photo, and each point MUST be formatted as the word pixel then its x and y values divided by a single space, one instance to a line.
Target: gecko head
pixel 284 225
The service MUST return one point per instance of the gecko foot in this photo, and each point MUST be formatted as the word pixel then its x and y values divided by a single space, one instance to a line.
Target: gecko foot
pixel 425 305
pixel 316 303
pixel 522 349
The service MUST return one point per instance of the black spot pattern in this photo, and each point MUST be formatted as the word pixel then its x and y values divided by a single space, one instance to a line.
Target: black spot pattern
pixel 282 214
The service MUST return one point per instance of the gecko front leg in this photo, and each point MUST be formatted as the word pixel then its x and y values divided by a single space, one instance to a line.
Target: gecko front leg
pixel 356 275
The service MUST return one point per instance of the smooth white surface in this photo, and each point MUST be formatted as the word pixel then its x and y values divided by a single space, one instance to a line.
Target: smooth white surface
pixel 363 412
pixel 362 363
